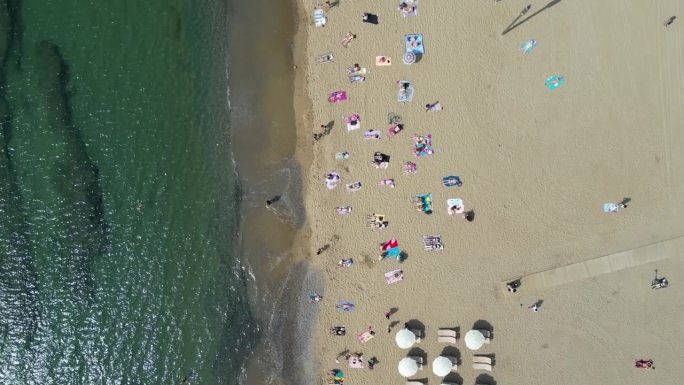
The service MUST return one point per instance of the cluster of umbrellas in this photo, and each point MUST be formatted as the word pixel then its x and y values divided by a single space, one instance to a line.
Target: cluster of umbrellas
pixel 442 365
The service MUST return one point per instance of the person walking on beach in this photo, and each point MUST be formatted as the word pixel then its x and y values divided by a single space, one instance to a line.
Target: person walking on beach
pixel 669 21
pixel 526 9
pixel 272 200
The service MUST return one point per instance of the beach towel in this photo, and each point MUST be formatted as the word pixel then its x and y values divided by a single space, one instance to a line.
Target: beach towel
pixel 528 46
pixel 555 81
pixel 405 93
pixel 394 276
pixel 352 187
pixel 455 202
pixel 319 18
pixel 395 129
pixel 425 202
pixel 414 43
pixel 390 244
pixel 610 208
pixel 382 61
pixel 355 362
pixel 337 96
pixel 345 306
pixel 452 180
pixel 372 134
pixel 357 78
pixel 353 122
pixel 391 253
pixel 423 145
pixel 341 155
pixel 365 337
pixel 408 8
pixel 434 107
pixel 332 180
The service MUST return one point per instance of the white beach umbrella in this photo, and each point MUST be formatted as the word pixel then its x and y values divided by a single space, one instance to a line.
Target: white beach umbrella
pixel 405 338
pixel 442 366
pixel 474 339
pixel 408 367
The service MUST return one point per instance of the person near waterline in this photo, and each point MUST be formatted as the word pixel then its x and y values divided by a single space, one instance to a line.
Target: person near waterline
pixel 272 200
pixel 669 21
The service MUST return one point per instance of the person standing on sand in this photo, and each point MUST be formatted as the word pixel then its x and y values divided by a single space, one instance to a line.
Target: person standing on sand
pixel 526 9
pixel 669 21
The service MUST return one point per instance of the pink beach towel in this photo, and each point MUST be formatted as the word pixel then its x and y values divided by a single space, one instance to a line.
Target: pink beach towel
pixel 394 276
pixel 337 96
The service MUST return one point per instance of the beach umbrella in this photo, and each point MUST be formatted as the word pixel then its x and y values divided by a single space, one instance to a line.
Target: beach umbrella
pixel 405 338
pixel 442 366
pixel 409 58
pixel 474 339
pixel 408 367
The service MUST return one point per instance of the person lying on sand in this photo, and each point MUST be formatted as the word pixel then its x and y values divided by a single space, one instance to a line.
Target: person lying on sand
pixel 347 39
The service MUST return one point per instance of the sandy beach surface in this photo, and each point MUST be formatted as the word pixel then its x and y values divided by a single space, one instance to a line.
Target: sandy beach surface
pixel 537 165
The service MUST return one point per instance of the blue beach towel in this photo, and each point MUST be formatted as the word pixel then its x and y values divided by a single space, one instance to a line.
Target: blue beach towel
pixel 555 81
pixel 414 43
pixel 528 46
pixel 452 180
pixel 345 306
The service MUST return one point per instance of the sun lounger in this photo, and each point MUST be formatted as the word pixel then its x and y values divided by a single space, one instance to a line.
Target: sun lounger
pixel 447 333
pixel 414 383
pixel 486 333
pixel 418 334
pixel 482 360
pixel 486 367
pixel 447 340
pixel 394 276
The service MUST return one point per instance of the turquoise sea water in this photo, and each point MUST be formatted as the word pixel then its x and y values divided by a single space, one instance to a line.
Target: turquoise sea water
pixel 118 195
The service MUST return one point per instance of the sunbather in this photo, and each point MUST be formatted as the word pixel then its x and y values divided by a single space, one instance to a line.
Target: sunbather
pixel 345 262
pixel 343 210
pixel 386 182
pixel 313 297
pixel 369 18
pixel 347 39
pixel 332 179
pixel 352 187
pixel 408 168
pixel 338 330
pixel 356 67
pixel 431 107
pixel 407 9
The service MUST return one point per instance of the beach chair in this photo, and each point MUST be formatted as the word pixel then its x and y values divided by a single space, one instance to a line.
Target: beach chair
pixel 447 340
pixel 419 360
pixel 486 367
pixel 454 361
pixel 418 333
pixel 414 383
pixel 482 360
pixel 487 334
pixel 447 333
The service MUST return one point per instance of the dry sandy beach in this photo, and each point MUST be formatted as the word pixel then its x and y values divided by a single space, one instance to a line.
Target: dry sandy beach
pixel 537 165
